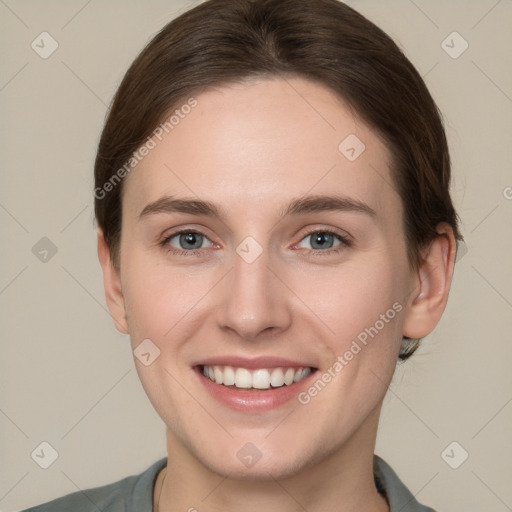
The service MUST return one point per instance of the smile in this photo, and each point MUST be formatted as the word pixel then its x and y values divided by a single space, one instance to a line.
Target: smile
pixel 257 379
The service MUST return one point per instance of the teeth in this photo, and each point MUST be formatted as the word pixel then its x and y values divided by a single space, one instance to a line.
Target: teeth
pixel 299 375
pixel 229 376
pixel 277 377
pixel 288 376
pixel 243 378
pixel 261 378
pixel 218 376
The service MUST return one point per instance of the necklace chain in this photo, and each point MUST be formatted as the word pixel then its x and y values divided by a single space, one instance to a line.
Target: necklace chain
pixel 161 489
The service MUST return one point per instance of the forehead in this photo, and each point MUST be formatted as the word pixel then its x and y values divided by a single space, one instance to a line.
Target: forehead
pixel 264 141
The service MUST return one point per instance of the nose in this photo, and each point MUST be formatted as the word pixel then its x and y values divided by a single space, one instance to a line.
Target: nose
pixel 255 300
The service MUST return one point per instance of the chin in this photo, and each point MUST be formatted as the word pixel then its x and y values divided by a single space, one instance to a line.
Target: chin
pixel 242 460
pixel 262 471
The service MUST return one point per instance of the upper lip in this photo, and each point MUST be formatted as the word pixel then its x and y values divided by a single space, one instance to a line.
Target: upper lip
pixel 252 363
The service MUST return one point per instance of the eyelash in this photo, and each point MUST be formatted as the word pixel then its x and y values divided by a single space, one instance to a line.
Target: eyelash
pixel 345 242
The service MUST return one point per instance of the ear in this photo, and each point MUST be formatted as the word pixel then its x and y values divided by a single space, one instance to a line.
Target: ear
pixel 431 284
pixel 112 285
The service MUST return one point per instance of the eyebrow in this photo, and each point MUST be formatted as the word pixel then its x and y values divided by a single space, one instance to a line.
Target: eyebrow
pixel 300 206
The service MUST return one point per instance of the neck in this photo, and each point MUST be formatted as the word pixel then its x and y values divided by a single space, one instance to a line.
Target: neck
pixel 341 482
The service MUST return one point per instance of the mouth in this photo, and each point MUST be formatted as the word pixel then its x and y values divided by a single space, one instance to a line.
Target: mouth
pixel 254 386
pixel 259 379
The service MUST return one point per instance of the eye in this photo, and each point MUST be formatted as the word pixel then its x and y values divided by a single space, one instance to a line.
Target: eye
pixel 185 241
pixel 188 242
pixel 322 240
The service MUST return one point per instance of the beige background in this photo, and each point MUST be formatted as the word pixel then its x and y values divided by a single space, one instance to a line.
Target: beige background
pixel 67 376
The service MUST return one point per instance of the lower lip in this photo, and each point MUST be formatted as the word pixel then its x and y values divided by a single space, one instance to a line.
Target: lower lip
pixel 253 401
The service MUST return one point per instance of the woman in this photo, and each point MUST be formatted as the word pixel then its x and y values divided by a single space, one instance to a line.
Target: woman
pixel 275 231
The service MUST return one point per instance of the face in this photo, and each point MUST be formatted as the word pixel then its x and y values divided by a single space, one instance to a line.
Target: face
pixel 258 251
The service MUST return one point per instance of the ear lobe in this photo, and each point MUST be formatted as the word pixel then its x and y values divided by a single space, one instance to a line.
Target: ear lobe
pixel 432 285
pixel 112 285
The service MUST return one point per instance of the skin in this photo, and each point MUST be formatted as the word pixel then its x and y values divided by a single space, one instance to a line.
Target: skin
pixel 251 149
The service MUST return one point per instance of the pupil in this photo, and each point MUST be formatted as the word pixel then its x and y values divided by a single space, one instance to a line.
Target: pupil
pixel 191 239
pixel 321 239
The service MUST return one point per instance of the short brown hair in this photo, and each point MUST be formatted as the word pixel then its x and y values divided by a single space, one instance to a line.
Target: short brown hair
pixel 226 41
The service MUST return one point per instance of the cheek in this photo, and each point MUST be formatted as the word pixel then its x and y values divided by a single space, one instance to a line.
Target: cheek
pixel 163 303
pixel 353 297
pixel 149 297
pixel 365 314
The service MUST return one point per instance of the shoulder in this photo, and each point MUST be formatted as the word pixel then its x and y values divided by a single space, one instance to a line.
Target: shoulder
pixel 397 494
pixel 131 494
